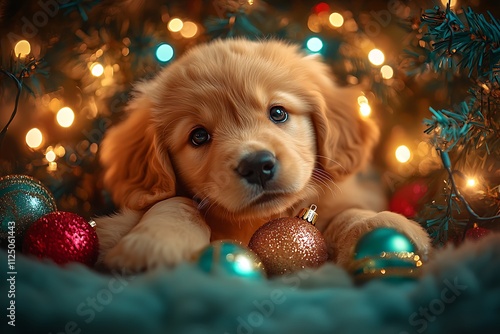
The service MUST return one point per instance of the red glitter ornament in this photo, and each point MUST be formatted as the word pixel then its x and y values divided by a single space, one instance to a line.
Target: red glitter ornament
pixel 476 232
pixel 287 245
pixel 63 237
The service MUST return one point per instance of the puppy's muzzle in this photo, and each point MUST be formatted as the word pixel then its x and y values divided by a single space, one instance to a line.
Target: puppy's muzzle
pixel 258 167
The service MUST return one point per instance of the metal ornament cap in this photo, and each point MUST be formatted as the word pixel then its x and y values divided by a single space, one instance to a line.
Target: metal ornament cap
pixel 309 214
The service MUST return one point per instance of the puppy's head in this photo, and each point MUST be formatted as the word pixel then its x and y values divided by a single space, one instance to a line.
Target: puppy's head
pixel 248 128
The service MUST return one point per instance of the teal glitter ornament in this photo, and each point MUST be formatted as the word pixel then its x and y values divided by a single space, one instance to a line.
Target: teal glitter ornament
pixel 385 253
pixel 23 200
pixel 225 257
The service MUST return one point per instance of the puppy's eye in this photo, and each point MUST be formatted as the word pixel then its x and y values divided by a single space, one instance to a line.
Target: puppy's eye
pixel 278 114
pixel 199 136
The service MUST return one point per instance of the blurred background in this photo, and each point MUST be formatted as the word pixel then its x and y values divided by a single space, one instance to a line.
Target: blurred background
pixel 75 62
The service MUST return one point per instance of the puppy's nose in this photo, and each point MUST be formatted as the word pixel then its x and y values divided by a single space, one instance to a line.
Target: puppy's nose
pixel 258 167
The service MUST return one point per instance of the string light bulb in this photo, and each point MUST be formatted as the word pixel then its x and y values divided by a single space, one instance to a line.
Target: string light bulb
pixel 376 57
pixel 164 52
pixel 365 110
pixel 175 25
pixel 314 44
pixel 453 3
pixel 65 117
pixel 471 182
pixel 189 29
pixel 50 156
pixel 34 138
pixel 387 72
pixel 22 48
pixel 336 20
pixel 96 69
pixel 403 154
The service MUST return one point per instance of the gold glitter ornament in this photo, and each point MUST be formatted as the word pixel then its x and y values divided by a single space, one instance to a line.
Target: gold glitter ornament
pixel 286 245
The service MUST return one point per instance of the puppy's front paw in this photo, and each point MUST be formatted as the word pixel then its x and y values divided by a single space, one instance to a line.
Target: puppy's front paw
pixel 168 233
pixel 141 251
pixel 343 234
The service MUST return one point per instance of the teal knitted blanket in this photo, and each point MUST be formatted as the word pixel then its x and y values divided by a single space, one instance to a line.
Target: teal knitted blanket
pixel 459 293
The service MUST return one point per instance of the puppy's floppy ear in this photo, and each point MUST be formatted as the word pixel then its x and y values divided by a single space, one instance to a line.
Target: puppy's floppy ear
pixel 344 139
pixel 137 172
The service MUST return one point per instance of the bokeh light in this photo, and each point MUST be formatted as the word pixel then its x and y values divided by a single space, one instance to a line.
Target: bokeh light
pixel 387 72
pixel 189 29
pixel 243 264
pixel 314 44
pixel 34 138
pixel 96 69
pixel 65 117
pixel 175 25
pixel 376 57
pixel 60 150
pixel 336 20
pixel 453 3
pixel 50 156
pixel 403 154
pixel 365 110
pixel 164 52
pixel 22 48
pixel 55 104
pixel 94 148
pixel 109 71
pixel 362 99
pixel 314 23
pixel 52 167
pixel 471 182
pixel 321 7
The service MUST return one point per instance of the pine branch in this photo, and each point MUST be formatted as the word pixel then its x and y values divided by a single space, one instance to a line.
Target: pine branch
pixel 460 126
pixel 475 42
pixel 20 71
pixel 471 130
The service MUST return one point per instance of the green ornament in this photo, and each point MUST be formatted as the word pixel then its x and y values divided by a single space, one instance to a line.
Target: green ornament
pixel 385 253
pixel 230 258
pixel 23 200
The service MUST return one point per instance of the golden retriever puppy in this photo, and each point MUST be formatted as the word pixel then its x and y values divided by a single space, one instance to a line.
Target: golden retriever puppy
pixel 230 135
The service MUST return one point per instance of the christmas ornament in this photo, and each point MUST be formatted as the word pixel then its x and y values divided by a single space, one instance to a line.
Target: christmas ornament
pixel 476 232
pixel 22 201
pixel 63 237
pixel 286 245
pixel 385 253
pixel 230 258
pixel 406 199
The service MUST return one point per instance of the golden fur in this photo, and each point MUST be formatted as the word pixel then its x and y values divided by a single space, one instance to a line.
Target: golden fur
pixel 228 87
